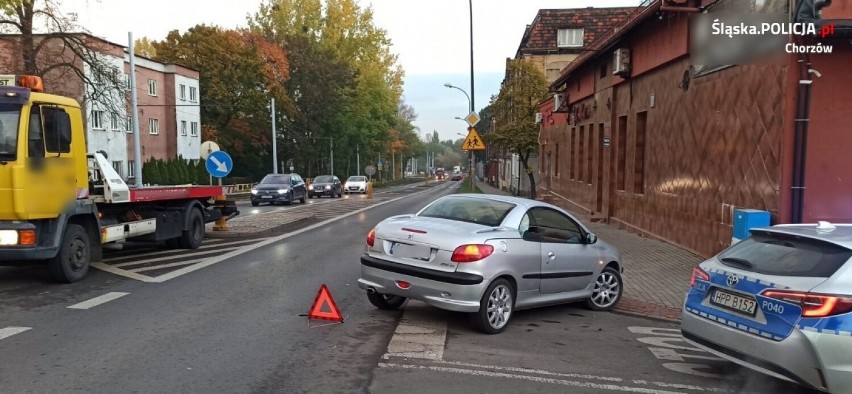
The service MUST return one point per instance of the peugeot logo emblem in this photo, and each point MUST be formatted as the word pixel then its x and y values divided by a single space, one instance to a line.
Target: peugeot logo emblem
pixel 410 236
pixel 733 280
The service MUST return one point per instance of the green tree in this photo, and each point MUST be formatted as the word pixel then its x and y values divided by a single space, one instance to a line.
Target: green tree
pixel 514 109
pixel 336 52
pixel 144 47
pixel 241 72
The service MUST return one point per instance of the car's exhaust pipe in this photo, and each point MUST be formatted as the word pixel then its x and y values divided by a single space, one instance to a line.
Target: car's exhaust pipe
pixel 371 290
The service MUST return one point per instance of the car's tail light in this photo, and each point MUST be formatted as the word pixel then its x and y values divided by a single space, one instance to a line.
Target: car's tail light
pixel 471 253
pixel 371 238
pixel 698 273
pixel 814 305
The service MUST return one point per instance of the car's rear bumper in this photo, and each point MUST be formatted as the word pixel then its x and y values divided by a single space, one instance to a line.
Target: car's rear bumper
pixel 793 358
pixel 454 291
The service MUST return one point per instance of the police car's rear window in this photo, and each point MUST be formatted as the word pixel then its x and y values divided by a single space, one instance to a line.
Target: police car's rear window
pixel 776 254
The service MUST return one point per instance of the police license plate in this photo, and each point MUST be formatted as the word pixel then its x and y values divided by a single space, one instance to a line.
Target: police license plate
pixel 734 302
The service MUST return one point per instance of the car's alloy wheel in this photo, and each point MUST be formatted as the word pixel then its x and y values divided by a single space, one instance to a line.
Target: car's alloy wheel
pixel 495 308
pixel 607 290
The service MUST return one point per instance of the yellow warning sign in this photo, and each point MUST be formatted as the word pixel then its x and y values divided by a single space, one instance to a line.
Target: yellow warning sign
pixel 473 141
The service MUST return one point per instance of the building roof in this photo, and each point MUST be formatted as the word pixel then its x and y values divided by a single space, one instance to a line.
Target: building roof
pixel 541 35
pixel 105 42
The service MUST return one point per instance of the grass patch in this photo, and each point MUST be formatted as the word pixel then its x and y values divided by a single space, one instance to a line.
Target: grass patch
pixel 468 187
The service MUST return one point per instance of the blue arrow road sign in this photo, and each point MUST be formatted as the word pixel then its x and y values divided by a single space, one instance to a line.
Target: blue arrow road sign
pixel 219 164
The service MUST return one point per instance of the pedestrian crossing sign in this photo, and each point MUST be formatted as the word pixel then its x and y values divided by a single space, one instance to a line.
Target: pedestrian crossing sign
pixel 473 141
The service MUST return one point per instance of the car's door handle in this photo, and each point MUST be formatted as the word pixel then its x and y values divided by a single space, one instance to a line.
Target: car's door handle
pixel 551 255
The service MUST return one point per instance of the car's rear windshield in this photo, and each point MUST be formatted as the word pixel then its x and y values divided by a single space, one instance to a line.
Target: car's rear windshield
pixel 275 180
pixel 467 209
pixel 778 254
pixel 357 179
pixel 323 179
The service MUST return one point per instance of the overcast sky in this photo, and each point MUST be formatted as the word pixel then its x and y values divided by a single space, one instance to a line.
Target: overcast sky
pixel 431 37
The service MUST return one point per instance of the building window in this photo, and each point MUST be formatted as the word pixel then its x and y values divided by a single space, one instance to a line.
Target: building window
pixel 573 153
pixel 621 146
pixel 193 94
pixel 154 126
pixel 97 120
pixel 118 166
pixel 114 122
pixel 152 87
pixel 128 123
pixel 581 153
pixel 127 82
pixel 591 154
pixel 570 38
pixel 556 162
pixel 639 154
pixel 182 92
pixel 194 128
pixel 131 169
pixel 183 127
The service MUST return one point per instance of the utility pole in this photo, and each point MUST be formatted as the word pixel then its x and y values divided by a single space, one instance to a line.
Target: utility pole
pixel 358 159
pixel 137 149
pixel 274 141
pixel 331 155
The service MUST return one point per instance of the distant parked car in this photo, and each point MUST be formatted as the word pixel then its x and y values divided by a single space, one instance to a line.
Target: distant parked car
pixel 457 176
pixel 279 188
pixel 325 185
pixel 489 255
pixel 356 184
pixel 779 302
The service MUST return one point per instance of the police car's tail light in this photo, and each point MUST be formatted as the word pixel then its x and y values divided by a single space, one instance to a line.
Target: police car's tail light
pixel 814 305
pixel 371 238
pixel 471 253
pixel 698 273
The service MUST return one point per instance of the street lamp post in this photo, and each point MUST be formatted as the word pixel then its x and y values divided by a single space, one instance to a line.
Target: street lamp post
pixel 470 106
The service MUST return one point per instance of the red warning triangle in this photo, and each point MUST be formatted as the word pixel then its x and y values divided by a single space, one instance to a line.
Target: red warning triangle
pixel 324 301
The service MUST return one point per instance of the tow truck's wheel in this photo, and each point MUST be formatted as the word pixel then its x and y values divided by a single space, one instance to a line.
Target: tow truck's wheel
pixel 72 261
pixel 194 234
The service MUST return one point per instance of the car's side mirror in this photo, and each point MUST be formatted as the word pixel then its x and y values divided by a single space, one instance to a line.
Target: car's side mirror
pixel 591 238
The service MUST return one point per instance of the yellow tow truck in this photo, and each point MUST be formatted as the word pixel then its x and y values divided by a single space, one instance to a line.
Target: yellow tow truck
pixel 60 204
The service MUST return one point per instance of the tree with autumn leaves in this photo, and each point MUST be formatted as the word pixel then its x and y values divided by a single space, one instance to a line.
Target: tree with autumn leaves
pixel 240 72
pixel 514 111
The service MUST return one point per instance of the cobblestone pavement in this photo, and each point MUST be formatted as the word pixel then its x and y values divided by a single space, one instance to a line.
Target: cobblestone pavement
pixel 656 273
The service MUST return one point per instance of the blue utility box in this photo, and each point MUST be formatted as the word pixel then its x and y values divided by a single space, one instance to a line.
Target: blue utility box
pixel 747 219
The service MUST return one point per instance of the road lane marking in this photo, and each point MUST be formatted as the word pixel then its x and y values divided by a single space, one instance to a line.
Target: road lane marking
pixel 9 331
pixel 538 379
pixel 98 300
pixel 272 240
pixel 208 244
pixel 154 260
pixel 420 334
pixel 157 267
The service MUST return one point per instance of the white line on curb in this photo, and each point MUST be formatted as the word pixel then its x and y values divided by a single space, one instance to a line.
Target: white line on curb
pixel 9 331
pixel 539 379
pixel 98 300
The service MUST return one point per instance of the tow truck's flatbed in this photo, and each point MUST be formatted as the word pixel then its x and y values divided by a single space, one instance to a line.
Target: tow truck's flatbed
pixel 159 193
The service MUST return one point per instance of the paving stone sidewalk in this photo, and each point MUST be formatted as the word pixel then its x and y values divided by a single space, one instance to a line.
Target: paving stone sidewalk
pixel 656 273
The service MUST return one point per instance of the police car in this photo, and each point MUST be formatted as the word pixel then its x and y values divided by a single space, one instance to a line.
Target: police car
pixel 780 303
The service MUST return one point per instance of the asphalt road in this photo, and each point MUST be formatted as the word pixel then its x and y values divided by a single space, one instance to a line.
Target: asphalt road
pixel 235 326
pixel 230 327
